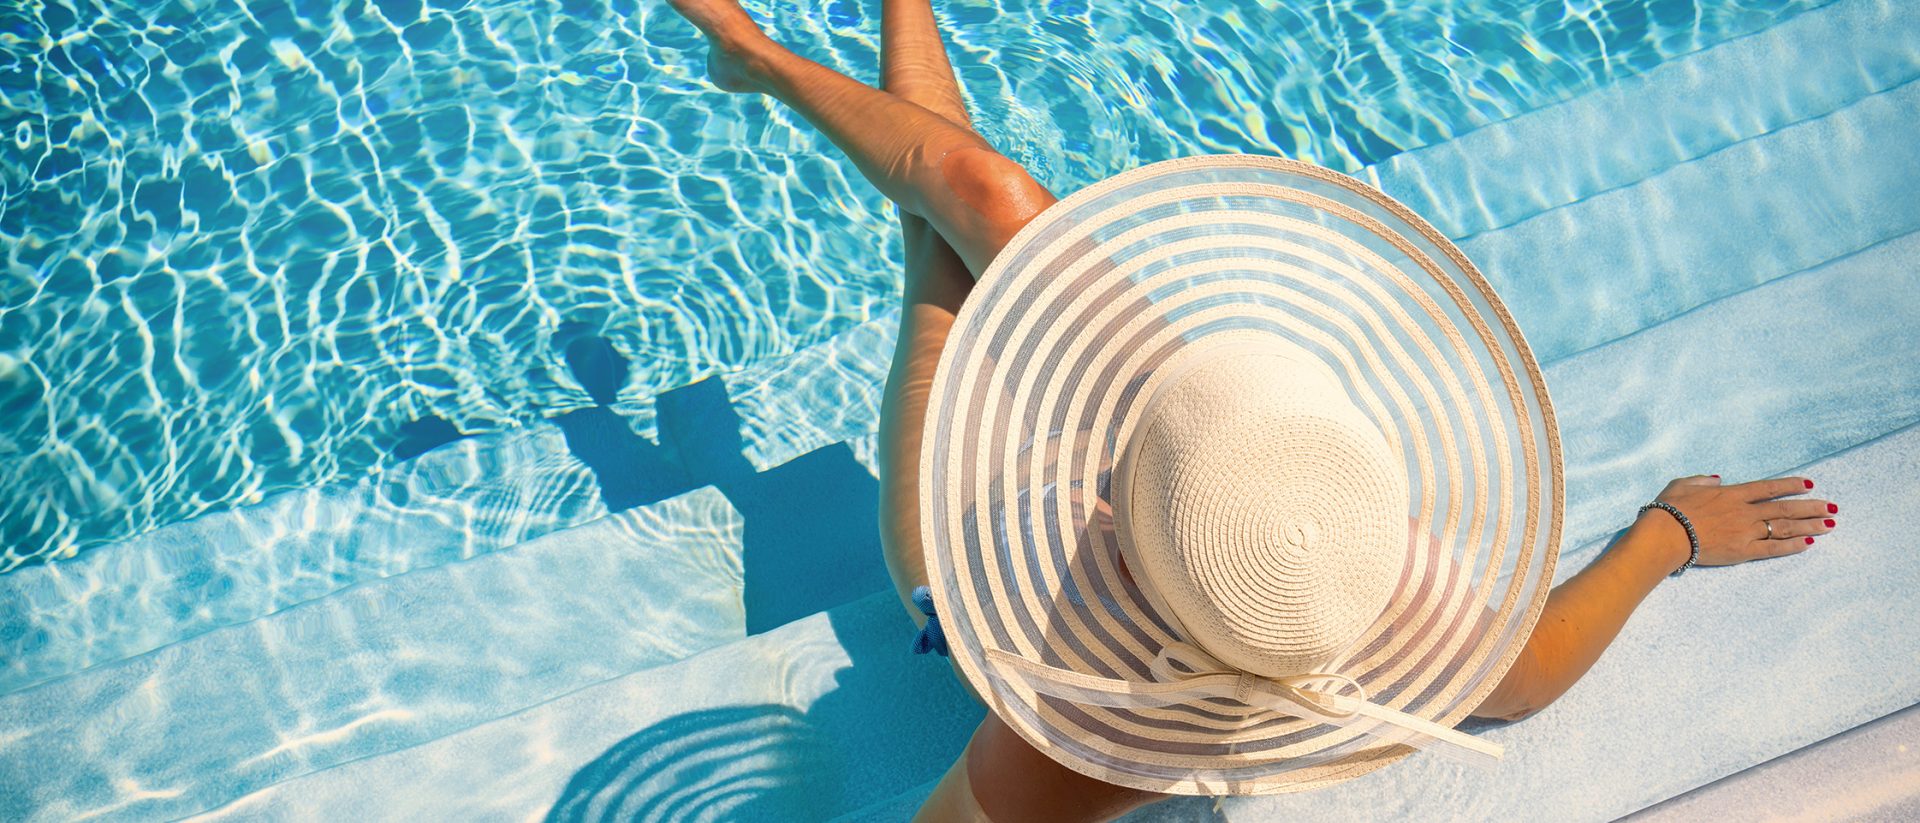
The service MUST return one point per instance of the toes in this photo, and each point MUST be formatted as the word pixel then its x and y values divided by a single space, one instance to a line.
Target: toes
pixel 1770 489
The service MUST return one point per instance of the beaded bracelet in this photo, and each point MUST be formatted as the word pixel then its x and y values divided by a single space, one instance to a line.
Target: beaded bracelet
pixel 1692 539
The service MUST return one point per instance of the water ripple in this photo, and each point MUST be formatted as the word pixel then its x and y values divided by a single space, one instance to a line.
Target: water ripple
pixel 245 241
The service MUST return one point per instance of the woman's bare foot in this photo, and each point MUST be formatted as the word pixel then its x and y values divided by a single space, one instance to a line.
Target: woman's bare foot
pixel 733 41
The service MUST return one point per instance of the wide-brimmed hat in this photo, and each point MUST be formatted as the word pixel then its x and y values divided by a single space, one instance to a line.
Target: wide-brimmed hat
pixel 1237 478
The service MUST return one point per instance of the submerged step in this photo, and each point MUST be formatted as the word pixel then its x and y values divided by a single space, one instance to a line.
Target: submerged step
pixel 464 499
pixel 780 722
pixel 1744 387
pixel 820 716
pixel 1805 67
pixel 376 667
pixel 1871 772
pixel 1612 264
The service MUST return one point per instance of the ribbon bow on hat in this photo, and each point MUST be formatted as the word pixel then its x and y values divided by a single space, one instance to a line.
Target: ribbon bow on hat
pixel 1184 673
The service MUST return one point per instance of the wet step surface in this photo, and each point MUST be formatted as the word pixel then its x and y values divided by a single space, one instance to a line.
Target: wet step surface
pixel 1509 171
pixel 1871 772
pixel 376 667
pixel 467 498
pixel 822 715
pixel 829 715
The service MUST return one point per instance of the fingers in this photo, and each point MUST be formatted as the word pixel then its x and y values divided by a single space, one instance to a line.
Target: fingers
pixel 1699 480
pixel 1769 489
pixel 1779 548
pixel 1785 528
pixel 1797 509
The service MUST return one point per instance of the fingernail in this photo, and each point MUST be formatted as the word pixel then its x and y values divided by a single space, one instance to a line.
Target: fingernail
pixel 1809 541
pixel 1714 476
pixel 1829 524
pixel 1809 484
pixel 1832 509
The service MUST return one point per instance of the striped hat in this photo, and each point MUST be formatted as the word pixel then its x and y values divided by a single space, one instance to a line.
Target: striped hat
pixel 1238 479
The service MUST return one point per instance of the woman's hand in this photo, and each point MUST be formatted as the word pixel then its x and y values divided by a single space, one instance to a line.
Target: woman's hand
pixel 1731 521
pixel 1584 614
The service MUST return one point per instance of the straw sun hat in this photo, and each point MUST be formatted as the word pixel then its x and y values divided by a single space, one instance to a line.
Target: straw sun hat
pixel 1238 480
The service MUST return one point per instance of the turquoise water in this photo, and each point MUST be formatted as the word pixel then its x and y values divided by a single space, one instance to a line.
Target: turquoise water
pixel 1713 258
pixel 246 242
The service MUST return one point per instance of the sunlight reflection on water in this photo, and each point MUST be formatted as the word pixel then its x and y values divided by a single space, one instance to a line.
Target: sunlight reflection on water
pixel 246 241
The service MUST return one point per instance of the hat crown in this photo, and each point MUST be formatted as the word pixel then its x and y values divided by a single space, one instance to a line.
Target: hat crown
pixel 1265 513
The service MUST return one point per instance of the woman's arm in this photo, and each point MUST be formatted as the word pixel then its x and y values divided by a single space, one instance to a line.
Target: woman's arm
pixel 1583 615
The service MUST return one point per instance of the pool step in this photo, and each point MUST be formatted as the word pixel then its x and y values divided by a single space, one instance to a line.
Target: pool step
pixel 467 498
pixel 822 715
pixel 1607 266
pixel 376 667
pixel 1871 772
pixel 1747 386
pixel 1606 398
pixel 464 499
pixel 1679 111
pixel 1592 221
pixel 828 715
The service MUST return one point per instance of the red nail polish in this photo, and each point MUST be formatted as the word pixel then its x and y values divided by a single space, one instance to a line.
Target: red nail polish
pixel 1832 509
pixel 1809 541
pixel 1809 484
pixel 1829 524
pixel 1714 476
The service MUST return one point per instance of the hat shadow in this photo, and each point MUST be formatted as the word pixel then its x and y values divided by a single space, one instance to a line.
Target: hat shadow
pixel 735 763
pixel 890 723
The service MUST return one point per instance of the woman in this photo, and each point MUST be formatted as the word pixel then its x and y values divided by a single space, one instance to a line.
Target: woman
pixel 960 204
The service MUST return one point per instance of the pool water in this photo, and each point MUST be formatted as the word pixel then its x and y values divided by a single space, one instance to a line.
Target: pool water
pixel 266 264
pixel 248 243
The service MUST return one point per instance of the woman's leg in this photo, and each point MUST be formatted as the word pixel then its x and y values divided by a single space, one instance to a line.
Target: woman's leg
pixel 929 165
pixel 1026 784
pixel 913 67
pixel 913 60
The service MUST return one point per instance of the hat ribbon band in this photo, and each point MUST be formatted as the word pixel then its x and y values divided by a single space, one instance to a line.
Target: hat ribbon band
pixel 1184 673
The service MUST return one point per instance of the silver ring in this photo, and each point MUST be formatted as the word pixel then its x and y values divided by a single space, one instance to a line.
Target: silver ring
pixel 1769 525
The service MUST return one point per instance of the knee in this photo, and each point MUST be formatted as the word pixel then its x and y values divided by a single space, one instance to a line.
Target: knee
pixel 994 186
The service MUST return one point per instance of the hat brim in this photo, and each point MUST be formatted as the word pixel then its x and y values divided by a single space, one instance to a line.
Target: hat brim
pixel 1041 383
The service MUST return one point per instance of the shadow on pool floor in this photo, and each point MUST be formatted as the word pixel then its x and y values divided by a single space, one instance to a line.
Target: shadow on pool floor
pixel 893 721
pixel 812 537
